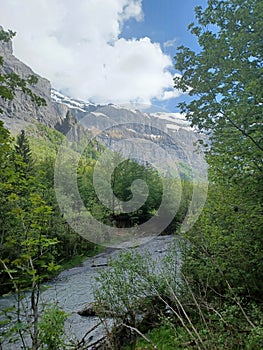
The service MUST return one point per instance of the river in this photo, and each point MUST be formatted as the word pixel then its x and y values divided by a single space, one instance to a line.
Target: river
pixel 72 289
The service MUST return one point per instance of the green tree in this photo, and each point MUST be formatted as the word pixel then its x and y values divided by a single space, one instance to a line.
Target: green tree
pixel 224 79
pixel 8 180
pixel 22 148
pixel 26 252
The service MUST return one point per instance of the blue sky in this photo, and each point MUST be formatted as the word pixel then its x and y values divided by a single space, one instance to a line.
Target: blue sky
pixel 105 51
pixel 166 21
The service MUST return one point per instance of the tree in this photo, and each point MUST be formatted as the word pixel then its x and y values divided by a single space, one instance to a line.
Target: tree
pixel 26 252
pixel 22 147
pixel 224 80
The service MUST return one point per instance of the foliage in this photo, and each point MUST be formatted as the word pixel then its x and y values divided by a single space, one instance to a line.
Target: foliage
pixel 220 336
pixel 122 287
pixel 226 244
pixel 182 318
pixel 123 177
pixel 44 142
pixel 22 148
pixel 224 79
pixel 164 338
pixel 6 36
pixel 25 216
pixel 51 328
pixel 28 253
pixel 135 290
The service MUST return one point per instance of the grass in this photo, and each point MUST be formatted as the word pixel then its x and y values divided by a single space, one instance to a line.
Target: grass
pixel 176 338
pixel 164 338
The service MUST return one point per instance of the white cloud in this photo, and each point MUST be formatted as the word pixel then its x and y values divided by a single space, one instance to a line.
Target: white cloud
pixel 78 46
pixel 168 94
pixel 170 43
pixel 133 9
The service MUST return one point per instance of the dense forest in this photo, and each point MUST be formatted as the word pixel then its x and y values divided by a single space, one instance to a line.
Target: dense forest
pixel 30 216
pixel 207 291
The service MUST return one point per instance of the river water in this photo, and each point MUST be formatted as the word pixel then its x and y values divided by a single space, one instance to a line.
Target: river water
pixel 72 289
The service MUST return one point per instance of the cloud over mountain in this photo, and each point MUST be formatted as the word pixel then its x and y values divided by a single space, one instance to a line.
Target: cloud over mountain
pixel 80 48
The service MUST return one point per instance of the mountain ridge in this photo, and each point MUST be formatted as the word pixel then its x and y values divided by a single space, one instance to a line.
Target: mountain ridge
pixel 116 127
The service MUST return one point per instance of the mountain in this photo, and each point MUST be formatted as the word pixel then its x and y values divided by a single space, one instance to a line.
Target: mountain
pixel 21 111
pixel 144 136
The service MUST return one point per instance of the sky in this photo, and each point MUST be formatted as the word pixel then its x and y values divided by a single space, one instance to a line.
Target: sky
pixel 104 51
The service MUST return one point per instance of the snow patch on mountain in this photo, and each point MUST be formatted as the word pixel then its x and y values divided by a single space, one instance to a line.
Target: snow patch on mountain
pixel 70 102
pixel 99 114
pixel 172 121
pixel 171 117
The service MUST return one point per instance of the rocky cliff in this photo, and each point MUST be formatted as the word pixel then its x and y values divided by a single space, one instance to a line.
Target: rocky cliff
pixel 21 111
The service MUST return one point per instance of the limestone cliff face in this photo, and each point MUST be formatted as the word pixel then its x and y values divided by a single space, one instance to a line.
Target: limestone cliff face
pixel 146 137
pixel 21 111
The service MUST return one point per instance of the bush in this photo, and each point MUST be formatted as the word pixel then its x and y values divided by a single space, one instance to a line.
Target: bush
pixel 51 328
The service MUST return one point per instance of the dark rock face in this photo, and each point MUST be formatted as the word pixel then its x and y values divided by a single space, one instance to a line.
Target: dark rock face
pixel 65 125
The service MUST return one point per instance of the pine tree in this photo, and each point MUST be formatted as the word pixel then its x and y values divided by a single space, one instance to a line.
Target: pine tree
pixel 22 149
